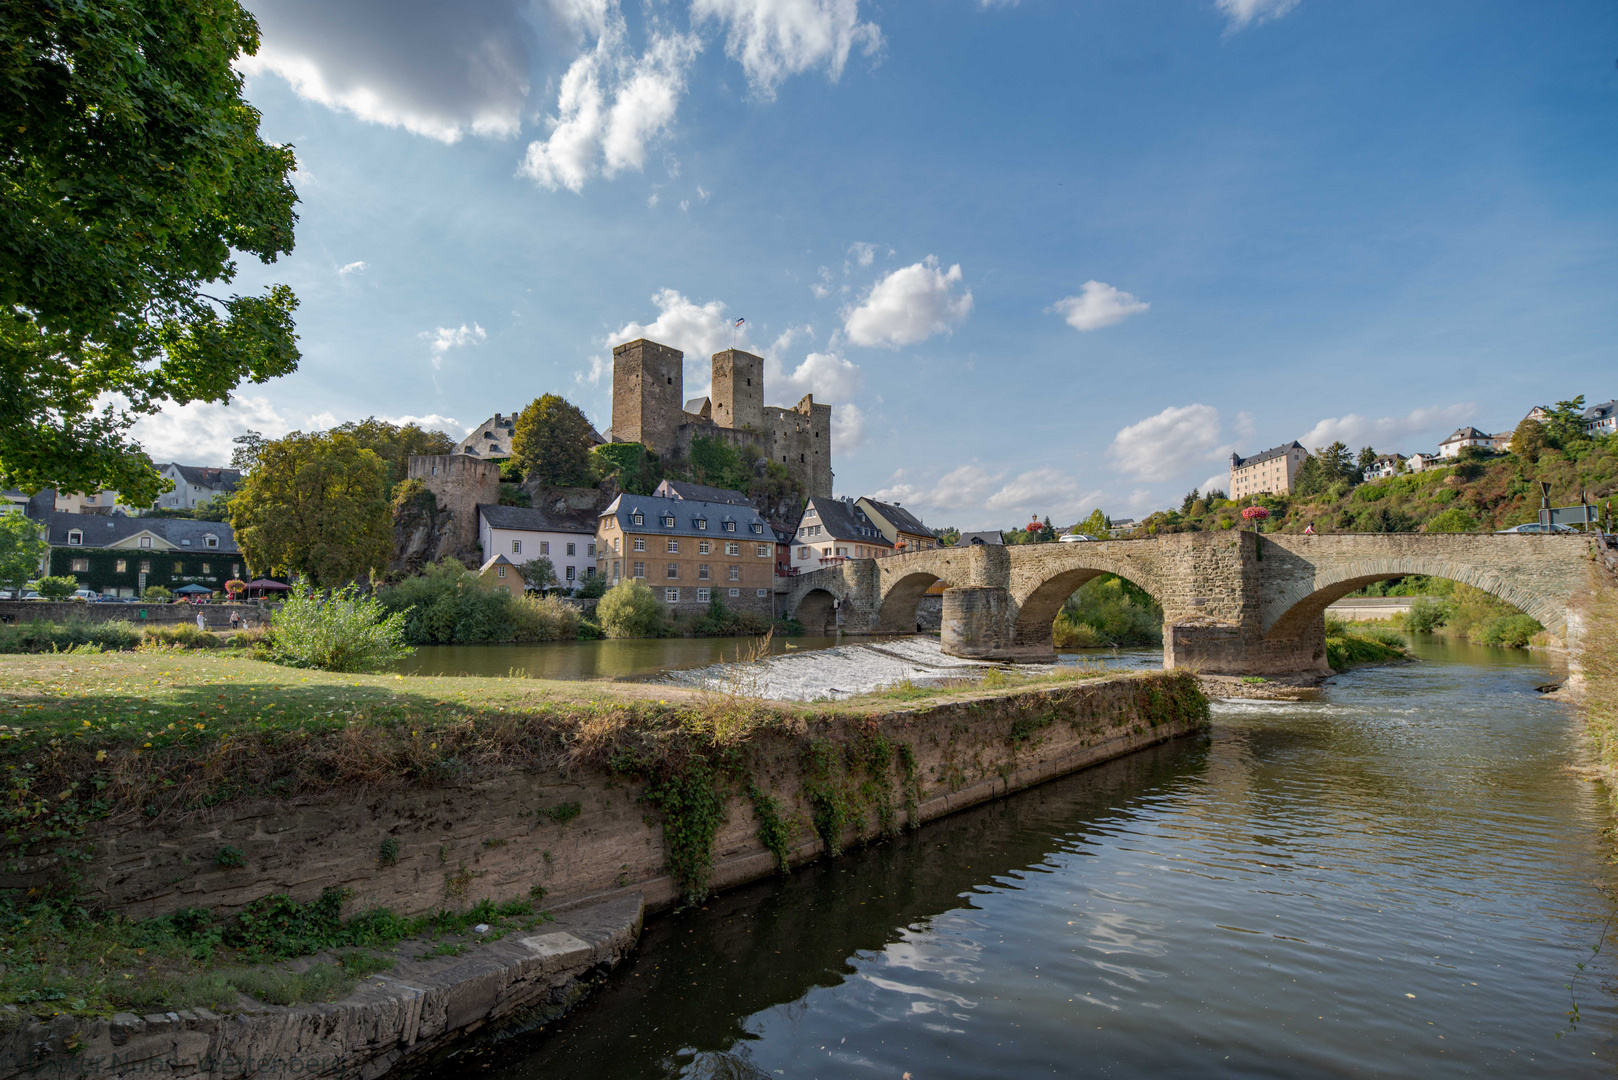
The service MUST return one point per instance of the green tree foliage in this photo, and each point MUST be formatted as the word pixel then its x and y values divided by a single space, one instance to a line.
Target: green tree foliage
pixel 1528 440
pixel 1189 501
pixel 1564 423
pixel 337 631
pixel 1325 468
pixel 719 463
pixel 131 170
pixel 316 505
pixel 1383 519
pixel 1108 610
pixel 551 442
pixel 1367 458
pixel 22 546
pixel 394 444
pixel 540 573
pixel 636 468
pixel 249 445
pixel 629 609
pixel 1453 520
pixel 59 587
pixel 1096 524
pixel 447 604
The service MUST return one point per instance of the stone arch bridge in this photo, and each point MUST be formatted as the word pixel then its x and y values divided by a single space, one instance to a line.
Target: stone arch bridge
pixel 1232 601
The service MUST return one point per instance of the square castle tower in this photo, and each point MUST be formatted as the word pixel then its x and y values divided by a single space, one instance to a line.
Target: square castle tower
pixel 647 392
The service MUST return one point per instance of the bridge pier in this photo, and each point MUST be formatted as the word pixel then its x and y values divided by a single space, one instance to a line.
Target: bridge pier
pixel 977 625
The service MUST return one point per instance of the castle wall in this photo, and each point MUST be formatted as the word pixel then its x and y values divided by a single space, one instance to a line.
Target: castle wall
pixel 738 390
pixel 460 482
pixel 648 394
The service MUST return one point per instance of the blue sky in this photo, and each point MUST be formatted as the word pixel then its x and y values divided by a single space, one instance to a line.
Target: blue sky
pixel 1040 256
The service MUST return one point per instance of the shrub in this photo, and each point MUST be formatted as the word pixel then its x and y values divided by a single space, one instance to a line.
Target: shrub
pixel 1510 631
pixel 336 631
pixel 59 587
pixel 449 604
pixel 182 636
pixel 1453 520
pixel 630 610
pixel 76 632
pixel 543 618
pixel 1116 612
pixel 157 594
pixel 1387 635
pixel 1069 634
pixel 593 588
pixel 1425 615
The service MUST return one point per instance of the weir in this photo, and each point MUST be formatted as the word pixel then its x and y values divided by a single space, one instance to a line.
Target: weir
pixel 1233 602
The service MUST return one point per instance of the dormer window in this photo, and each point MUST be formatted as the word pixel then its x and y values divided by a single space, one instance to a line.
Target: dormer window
pixel 730 526
pixel 701 523
pixel 668 521
pixel 146 541
pixel 638 519
pixel 211 541
pixel 75 537
pixel 757 528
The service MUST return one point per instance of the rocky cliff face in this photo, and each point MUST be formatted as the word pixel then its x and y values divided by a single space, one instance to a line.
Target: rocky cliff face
pixel 423 532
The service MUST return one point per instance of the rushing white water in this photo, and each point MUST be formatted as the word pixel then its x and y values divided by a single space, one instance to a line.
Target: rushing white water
pixel 836 673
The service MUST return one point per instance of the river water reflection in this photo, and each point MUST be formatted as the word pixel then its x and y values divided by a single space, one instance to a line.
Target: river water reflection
pixel 1396 880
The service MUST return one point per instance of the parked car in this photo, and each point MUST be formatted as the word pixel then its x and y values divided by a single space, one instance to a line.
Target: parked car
pixel 1536 527
pixel 1078 538
pixel 87 595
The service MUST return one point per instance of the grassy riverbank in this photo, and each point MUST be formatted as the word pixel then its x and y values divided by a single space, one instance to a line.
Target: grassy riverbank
pixel 1352 645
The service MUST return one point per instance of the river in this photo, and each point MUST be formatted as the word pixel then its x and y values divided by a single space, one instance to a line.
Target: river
pixel 1398 879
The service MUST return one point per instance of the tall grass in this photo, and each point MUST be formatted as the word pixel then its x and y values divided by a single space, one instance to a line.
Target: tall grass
pixel 39 636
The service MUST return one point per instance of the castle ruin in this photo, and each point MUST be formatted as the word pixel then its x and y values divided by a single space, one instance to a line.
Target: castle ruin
pixel 648 408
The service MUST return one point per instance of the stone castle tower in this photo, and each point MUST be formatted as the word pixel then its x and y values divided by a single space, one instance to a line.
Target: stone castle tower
pixel 647 407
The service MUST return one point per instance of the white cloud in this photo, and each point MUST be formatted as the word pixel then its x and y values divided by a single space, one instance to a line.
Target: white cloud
pixel 1239 13
pixel 1162 447
pixel 773 39
pixel 1046 490
pixel 432 422
pixel 611 105
pixel 1356 431
pixel 831 378
pixel 200 433
pixel 1246 429
pixel 446 338
pixel 434 69
pixel 652 199
pixel 961 487
pixel 847 427
pixel 351 268
pixel 322 421
pixel 1216 482
pixel 823 287
pixel 910 305
pixel 863 253
pixel 1098 304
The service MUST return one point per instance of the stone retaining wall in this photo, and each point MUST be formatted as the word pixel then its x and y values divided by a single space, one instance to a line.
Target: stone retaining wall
pixel 585 836
pixel 217 615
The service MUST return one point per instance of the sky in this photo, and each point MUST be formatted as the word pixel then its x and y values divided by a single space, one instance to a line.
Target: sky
pixel 1041 256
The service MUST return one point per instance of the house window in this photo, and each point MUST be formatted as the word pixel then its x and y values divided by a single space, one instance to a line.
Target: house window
pixel 146 541
pixel 640 543
pixel 500 571
pixel 570 574
pixel 589 571
pixel 730 526
pixel 616 569
pixel 702 572
pixel 516 547
pixel 638 519
pixel 803 553
pixel 735 592
pixel 75 537
pixel 207 568
pixel 733 549
pixel 672 596
pixel 702 595
pixel 81 566
pixel 763 551
pixel 668 521
pixel 674 547
pixel 702 524
pixel 674 570
pixel 756 528
pixel 145 566
pixel 544 547
pixel 590 550
pixel 571 549
pixel 212 541
pixel 703 547
pixel 735 573
pixel 235 569
pixel 121 566
pixel 179 568
pixel 640 569
pixel 764 592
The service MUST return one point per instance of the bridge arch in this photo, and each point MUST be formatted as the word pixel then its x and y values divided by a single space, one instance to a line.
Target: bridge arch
pixel 1304 603
pixel 902 598
pixel 817 611
pixel 1040 588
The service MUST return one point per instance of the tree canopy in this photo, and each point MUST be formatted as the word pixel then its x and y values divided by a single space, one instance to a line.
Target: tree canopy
pixel 315 505
pixel 22 546
pixel 551 442
pixel 131 170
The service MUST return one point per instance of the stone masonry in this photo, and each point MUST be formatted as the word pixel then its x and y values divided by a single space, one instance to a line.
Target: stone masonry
pixel 648 408
pixel 460 482
pixel 1233 602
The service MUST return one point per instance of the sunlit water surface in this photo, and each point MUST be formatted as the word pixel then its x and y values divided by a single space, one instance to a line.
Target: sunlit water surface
pixel 1397 880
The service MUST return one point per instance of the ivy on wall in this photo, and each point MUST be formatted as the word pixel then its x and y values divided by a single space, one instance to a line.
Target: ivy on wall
pixel 170 569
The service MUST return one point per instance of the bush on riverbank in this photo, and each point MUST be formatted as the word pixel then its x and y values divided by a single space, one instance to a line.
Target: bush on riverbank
pixel 339 630
pixel 1349 646
pixel 115 635
pixel 1108 610
pixel 1449 607
pixel 447 604
pixel 629 609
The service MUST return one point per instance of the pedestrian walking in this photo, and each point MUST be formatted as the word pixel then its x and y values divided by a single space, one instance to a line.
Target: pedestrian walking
pixel 235 620
pixel 202 623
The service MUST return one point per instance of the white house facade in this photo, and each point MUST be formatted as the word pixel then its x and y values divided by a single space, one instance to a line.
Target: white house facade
pixel 832 531
pixel 522 534
pixel 195 484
